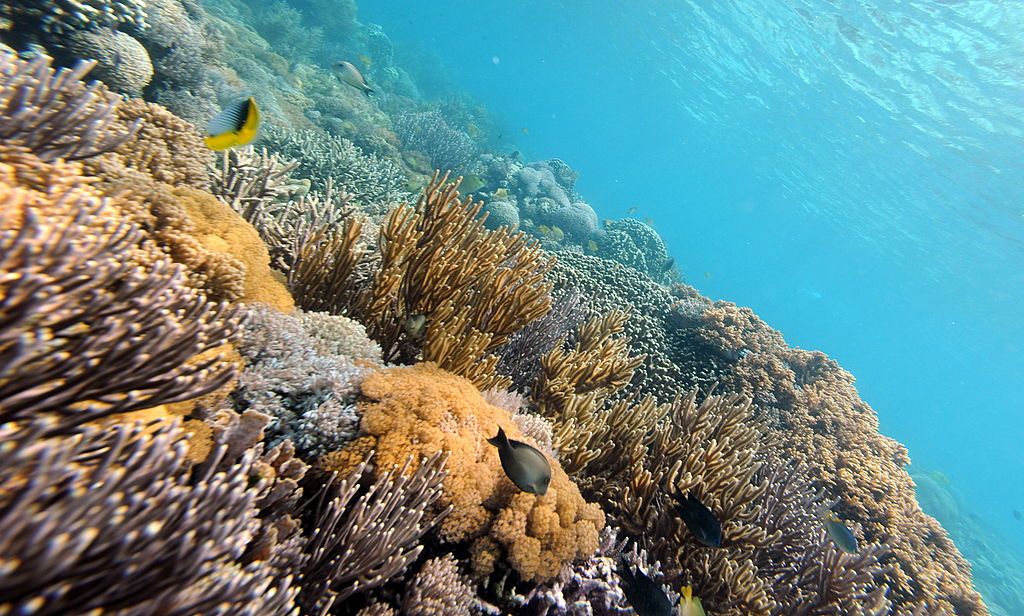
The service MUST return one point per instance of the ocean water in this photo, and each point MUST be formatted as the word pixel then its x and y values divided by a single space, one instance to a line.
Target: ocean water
pixel 854 172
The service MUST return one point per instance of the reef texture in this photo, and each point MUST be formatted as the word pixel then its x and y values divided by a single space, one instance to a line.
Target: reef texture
pixel 266 379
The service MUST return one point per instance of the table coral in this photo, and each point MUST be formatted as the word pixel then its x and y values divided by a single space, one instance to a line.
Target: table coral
pixel 423 410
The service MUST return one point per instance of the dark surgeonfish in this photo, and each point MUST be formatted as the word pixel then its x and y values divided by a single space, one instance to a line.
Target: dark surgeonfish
pixel 1017 515
pixel 524 464
pixel 699 520
pixel 347 72
pixel 236 125
pixel 646 596
pixel 842 536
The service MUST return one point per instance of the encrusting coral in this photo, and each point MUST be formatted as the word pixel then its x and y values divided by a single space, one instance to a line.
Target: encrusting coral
pixel 423 410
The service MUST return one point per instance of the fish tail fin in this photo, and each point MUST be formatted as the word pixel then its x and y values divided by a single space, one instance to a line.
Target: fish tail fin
pixel 501 440
pixel 367 90
pixel 687 592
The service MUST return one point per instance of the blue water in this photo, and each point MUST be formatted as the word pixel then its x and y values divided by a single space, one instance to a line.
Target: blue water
pixel 854 174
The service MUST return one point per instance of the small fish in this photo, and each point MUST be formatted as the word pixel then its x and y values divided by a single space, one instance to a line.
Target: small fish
pixel 235 126
pixel 1017 515
pixel 633 209
pixel 667 265
pixel 690 605
pixel 347 72
pixel 525 130
pixel 841 535
pixel 699 520
pixel 525 465
pixel 366 60
pixel 644 594
pixel 416 326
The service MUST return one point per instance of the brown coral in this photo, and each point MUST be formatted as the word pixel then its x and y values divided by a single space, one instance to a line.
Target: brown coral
pixel 423 410
pixel 474 287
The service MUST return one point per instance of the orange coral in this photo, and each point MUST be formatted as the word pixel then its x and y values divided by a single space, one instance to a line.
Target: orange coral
pixel 422 409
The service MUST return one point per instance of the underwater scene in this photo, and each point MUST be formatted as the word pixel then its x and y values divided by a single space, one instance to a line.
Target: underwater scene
pixel 667 307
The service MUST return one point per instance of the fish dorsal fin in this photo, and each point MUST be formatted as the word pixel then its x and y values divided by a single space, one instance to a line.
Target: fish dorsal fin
pixel 231 119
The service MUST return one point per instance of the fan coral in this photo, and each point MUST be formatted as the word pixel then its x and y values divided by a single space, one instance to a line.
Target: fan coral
pixel 122 62
pixel 300 370
pixel 52 113
pixel 423 410
pixel 448 149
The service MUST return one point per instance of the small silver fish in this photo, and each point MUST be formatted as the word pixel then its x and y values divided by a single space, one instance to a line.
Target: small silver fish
pixel 842 536
pixel 347 72
pixel 524 464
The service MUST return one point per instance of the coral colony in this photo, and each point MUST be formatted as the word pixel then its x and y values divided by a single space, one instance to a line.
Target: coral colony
pixel 262 381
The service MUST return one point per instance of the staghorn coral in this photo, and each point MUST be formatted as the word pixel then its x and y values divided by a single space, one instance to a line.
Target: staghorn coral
pixel 423 410
pixel 374 183
pixel 300 370
pixel 113 521
pixel 250 181
pixel 474 287
pixel 367 536
pixel 447 148
pixel 53 113
pixel 438 590
pixel 88 332
pixel 121 61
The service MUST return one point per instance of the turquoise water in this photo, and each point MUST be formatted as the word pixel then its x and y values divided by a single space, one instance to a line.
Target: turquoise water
pixel 853 172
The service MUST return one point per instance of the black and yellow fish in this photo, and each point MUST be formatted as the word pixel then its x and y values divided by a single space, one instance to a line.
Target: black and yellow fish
pixel 237 125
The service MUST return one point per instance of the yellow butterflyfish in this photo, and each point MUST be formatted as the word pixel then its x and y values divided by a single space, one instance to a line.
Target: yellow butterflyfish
pixel 235 126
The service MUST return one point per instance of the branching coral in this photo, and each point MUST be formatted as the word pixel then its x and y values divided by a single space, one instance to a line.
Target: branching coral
pixel 301 371
pixel 423 410
pixel 438 590
pixel 86 332
pixel 520 357
pixel 113 521
pixel 374 183
pixel 448 149
pixel 473 287
pixel 53 113
pixel 365 537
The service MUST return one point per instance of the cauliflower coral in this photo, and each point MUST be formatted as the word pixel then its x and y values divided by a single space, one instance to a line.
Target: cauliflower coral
pixel 421 410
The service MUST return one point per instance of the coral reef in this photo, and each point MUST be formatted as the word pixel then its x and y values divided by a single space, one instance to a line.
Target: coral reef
pixel 447 148
pixel 423 410
pixel 52 113
pixel 161 398
pixel 301 370
pixel 121 61
pixel 374 183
